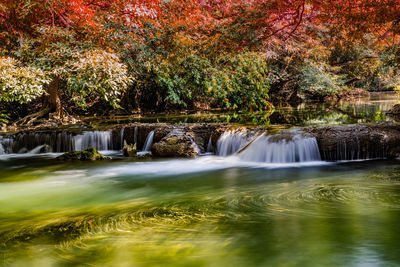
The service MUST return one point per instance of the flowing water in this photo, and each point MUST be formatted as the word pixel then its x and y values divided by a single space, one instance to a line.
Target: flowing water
pixel 261 200
pixel 210 211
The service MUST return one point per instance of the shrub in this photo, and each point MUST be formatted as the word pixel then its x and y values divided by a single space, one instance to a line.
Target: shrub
pixel 240 82
pixel 316 81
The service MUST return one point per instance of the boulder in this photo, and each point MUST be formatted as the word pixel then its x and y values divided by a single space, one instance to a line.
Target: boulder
pixel 88 154
pixel 176 144
pixel 394 112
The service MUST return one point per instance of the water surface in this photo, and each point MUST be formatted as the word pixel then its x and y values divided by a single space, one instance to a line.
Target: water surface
pixel 361 110
pixel 208 211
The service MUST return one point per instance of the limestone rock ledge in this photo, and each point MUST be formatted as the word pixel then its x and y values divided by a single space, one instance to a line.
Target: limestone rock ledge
pixel 177 143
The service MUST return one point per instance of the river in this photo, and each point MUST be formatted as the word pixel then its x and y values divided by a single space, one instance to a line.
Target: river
pixel 255 208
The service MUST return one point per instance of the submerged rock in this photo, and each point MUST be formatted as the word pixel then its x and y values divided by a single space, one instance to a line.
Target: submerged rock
pixel 88 154
pixel 129 150
pixel 176 144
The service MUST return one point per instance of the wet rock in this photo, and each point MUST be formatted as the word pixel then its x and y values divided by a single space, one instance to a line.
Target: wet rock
pixel 129 150
pixel 88 154
pixel 176 144
pixel 394 112
pixel 363 141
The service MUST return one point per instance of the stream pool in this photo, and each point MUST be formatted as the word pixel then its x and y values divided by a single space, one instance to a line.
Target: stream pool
pixel 208 211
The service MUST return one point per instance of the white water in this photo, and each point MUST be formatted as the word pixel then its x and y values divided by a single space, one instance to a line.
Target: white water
pixel 5 145
pixel 231 141
pixel 42 148
pixel 210 147
pixel 135 135
pixel 286 147
pixel 1 146
pixel 122 137
pixel 282 149
pixel 148 143
pixel 100 140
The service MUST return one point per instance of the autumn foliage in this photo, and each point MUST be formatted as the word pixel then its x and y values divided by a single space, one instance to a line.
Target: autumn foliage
pixel 176 53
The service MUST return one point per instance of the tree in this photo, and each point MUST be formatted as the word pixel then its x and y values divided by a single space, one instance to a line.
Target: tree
pixel 55 57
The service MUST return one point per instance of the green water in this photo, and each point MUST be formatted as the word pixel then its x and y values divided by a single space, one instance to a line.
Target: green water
pixel 203 212
pixel 363 110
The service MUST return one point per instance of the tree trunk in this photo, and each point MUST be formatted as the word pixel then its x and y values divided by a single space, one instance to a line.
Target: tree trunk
pixel 52 99
pixel 51 106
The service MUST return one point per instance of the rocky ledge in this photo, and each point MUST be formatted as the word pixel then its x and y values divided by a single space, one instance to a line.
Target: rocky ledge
pixel 362 141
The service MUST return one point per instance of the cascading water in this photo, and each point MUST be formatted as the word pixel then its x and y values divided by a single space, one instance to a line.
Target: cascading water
pixel 1 146
pixel 282 149
pixel 279 148
pixel 231 141
pixel 42 142
pixel 355 149
pixel 100 140
pixel 210 147
pixel 121 135
pixel 24 142
pixel 149 142
pixel 135 135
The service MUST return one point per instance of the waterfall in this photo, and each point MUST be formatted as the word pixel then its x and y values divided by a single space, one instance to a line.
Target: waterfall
pixel 210 148
pixel 2 151
pixel 135 135
pixel 6 145
pixel 40 142
pixel 27 141
pixel 122 137
pixel 100 140
pixel 355 149
pixel 40 149
pixel 282 149
pixel 231 141
pixel 278 148
pixel 149 142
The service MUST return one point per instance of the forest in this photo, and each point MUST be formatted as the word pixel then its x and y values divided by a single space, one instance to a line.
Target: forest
pixel 60 59
pixel 199 133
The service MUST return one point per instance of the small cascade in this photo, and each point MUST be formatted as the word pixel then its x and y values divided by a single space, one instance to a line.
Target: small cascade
pixel 354 149
pixel 149 142
pixel 281 148
pixel 196 146
pixel 100 140
pixel 43 142
pixel 40 149
pixel 6 144
pixel 210 147
pixel 121 135
pixel 232 141
pixel 2 151
pixel 27 141
pixel 135 135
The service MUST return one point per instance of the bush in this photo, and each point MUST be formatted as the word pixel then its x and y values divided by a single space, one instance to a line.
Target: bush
pixel 317 82
pixel 19 83
pixel 163 81
pixel 240 82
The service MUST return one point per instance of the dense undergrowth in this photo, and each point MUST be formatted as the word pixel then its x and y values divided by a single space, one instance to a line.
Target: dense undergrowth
pixel 94 57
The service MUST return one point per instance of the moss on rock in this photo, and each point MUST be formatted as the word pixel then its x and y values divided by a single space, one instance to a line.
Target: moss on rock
pixel 88 154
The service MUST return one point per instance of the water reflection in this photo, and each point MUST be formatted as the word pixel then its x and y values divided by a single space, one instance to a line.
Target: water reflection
pixel 362 110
